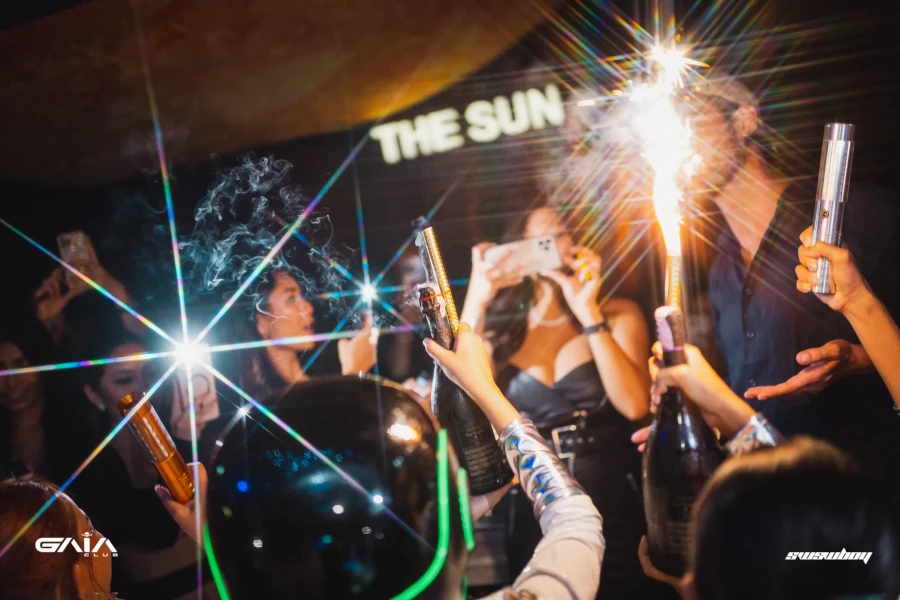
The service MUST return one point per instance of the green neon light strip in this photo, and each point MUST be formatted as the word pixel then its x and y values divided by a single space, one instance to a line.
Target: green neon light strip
pixel 462 485
pixel 440 555
pixel 443 545
pixel 214 565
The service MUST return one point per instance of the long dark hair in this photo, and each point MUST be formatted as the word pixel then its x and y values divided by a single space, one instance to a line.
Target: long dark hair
pixel 804 496
pixel 26 573
pixel 61 413
pixel 506 317
pixel 258 376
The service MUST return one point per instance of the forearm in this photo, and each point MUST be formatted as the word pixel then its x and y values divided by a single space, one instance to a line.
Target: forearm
pixel 627 385
pixel 879 336
pixel 496 407
pixel 566 563
pixel 473 312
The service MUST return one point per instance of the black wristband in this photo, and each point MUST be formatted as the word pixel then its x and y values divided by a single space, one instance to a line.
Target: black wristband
pixel 597 328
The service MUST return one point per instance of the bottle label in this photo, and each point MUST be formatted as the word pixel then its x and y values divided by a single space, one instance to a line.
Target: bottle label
pixel 482 456
pixel 669 532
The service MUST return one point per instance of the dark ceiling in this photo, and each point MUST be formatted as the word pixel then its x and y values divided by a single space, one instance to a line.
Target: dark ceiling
pixel 228 75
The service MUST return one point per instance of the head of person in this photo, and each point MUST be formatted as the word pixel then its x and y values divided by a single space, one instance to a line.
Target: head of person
pixel 507 315
pixel 27 573
pixel 350 491
pixel 724 116
pixel 409 269
pixel 280 311
pixel 23 343
pixel 19 349
pixel 806 496
pixel 104 386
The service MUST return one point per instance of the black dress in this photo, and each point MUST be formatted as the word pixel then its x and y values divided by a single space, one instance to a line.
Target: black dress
pixel 609 470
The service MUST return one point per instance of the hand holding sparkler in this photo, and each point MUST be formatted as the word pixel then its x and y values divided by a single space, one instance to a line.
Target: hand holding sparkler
pixel 849 286
pixel 358 354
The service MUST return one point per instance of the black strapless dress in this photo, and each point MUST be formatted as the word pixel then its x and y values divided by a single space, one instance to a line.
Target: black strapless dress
pixel 609 470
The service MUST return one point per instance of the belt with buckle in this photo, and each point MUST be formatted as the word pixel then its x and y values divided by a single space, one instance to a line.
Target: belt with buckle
pixel 568 439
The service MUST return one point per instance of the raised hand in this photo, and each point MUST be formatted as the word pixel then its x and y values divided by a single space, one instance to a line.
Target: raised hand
pixel 468 367
pixel 359 353
pixel 849 284
pixel 488 277
pixel 720 407
pixel 185 515
pixel 582 286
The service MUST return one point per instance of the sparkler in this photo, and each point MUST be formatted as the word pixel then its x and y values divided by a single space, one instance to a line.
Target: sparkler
pixel 665 139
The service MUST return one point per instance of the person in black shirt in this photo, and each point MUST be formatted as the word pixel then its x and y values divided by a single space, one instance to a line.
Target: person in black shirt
pixel 785 352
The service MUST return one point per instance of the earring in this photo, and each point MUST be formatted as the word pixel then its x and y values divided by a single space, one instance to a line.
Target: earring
pixel 101 406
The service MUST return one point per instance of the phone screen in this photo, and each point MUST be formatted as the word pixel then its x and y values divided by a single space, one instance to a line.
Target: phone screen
pixel 74 250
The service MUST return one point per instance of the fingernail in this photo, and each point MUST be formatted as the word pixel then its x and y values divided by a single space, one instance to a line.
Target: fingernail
pixel 803 357
pixel 805 287
pixel 160 491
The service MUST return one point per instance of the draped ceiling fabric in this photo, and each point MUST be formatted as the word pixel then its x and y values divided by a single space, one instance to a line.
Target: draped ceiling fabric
pixel 228 75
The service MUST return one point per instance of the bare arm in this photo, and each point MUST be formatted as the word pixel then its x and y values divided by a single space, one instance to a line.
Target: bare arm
pixel 877 331
pixel 620 356
pixel 879 335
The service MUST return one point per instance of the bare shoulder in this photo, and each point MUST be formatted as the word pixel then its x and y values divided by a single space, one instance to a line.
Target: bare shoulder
pixel 621 309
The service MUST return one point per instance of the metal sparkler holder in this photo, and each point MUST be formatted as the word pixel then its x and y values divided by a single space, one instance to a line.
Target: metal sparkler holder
pixel 675 281
pixel 831 196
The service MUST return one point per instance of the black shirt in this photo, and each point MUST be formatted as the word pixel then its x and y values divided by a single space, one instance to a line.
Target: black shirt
pixel 762 322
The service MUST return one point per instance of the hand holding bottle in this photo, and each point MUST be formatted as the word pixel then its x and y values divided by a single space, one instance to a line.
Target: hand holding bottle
pixel 185 515
pixel 467 366
pixel 721 408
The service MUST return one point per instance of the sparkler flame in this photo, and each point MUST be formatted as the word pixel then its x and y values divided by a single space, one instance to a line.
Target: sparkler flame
pixel 666 138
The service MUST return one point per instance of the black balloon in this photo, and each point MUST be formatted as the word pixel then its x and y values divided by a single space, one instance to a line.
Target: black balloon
pixel 285 523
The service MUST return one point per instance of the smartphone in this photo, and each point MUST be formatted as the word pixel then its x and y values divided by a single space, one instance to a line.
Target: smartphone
pixel 206 401
pixel 75 250
pixel 526 257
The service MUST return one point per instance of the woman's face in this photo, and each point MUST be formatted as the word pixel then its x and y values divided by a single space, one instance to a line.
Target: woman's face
pixel 544 221
pixel 120 379
pixel 18 393
pixel 287 314
pixel 93 574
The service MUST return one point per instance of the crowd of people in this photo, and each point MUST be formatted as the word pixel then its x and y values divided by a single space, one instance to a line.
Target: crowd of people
pixel 808 406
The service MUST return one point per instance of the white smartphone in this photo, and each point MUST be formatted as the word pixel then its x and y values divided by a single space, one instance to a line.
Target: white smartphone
pixel 206 400
pixel 526 257
pixel 75 250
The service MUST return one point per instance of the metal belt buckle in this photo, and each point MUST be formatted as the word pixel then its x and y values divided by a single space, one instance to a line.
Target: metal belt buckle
pixel 557 445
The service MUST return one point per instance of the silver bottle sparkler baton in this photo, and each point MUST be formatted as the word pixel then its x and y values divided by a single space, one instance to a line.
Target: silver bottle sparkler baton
pixel 834 183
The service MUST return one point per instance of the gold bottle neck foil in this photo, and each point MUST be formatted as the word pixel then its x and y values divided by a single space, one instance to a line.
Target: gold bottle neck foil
pixel 435 269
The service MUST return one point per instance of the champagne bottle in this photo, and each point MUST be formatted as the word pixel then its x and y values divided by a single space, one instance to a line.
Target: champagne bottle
pixel 159 447
pixel 469 430
pixel 681 454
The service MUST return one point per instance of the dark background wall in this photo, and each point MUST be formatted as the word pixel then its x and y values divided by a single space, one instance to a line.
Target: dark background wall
pixel 809 62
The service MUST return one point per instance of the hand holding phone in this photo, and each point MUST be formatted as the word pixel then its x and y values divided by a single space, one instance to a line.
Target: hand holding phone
pixel 76 250
pixel 525 257
pixel 206 401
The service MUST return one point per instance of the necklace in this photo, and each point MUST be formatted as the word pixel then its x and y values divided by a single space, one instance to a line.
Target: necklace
pixel 539 321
